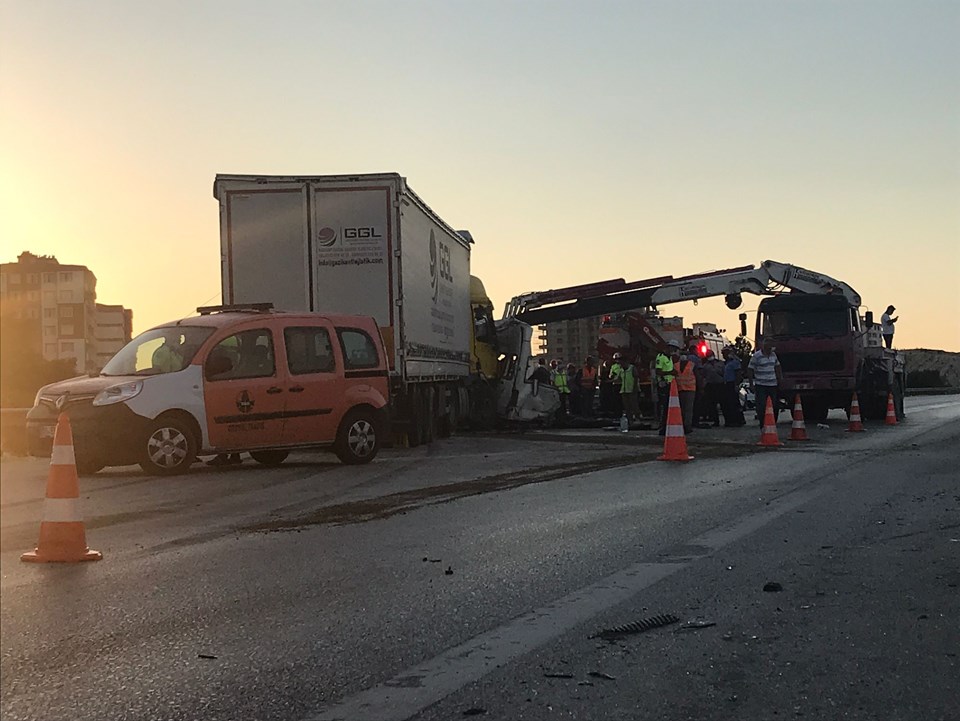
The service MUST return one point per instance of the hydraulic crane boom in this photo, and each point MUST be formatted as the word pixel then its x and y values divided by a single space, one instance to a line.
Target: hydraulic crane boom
pixel 614 296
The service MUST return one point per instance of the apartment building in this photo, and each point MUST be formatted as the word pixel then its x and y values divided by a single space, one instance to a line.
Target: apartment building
pixel 114 329
pixel 52 307
pixel 570 341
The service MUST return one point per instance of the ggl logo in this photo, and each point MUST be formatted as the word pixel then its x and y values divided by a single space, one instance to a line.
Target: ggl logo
pixel 440 266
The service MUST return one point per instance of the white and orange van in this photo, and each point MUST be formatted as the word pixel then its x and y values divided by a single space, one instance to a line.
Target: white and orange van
pixel 232 379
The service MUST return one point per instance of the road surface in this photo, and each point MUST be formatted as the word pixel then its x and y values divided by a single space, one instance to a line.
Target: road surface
pixel 473 578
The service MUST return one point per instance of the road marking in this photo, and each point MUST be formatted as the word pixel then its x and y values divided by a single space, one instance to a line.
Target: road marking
pixel 423 685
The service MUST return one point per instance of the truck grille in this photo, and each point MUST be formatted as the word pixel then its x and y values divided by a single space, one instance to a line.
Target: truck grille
pixel 811 362
pixel 50 401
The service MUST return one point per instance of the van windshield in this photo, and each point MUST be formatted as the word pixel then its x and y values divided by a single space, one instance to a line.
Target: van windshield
pixel 167 349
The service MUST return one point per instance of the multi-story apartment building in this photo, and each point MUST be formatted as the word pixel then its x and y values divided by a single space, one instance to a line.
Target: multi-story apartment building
pixel 114 330
pixel 570 341
pixel 53 308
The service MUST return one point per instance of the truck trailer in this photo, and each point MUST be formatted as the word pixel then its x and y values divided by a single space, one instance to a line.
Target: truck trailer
pixel 368 245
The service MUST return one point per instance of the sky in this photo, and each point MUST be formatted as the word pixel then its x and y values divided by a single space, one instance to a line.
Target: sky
pixel 577 141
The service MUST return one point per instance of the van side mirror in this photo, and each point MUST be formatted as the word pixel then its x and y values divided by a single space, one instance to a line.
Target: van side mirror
pixel 217 364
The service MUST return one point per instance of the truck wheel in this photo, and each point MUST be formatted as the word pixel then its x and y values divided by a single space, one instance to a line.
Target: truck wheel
pixel 449 412
pixel 168 448
pixel 358 440
pixel 269 458
pixel 415 424
pixel 428 414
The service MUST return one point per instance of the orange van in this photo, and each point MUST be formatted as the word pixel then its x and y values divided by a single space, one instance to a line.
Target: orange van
pixel 232 379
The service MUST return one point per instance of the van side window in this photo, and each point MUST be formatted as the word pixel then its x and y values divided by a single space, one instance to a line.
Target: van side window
pixel 308 350
pixel 359 350
pixel 248 354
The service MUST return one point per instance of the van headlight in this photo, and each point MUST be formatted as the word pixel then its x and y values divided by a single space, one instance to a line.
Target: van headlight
pixel 118 393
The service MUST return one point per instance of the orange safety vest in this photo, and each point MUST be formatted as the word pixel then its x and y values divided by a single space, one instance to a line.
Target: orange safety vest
pixel 686 380
pixel 588 378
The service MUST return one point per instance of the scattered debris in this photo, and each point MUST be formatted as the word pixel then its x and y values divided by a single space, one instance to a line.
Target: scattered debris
pixel 476 711
pixel 922 616
pixel 449 571
pixel 604 676
pixel 637 626
pixel 558 675
pixel 206 655
pixel 772 587
pixel 823 426
pixel 696 625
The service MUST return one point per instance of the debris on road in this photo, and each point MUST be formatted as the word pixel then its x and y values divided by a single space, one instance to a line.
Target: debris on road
pixel 558 675
pixel 601 674
pixel 772 587
pixel 431 560
pixel 476 711
pixel 637 626
pixel 206 655
pixel 696 625
pixel 449 571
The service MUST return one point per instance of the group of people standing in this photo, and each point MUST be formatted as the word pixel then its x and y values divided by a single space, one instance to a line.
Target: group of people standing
pixel 706 387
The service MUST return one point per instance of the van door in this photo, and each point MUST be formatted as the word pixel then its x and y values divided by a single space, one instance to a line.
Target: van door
pixel 244 391
pixel 315 386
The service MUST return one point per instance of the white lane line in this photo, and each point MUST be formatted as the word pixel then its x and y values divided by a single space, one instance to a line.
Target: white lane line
pixel 423 685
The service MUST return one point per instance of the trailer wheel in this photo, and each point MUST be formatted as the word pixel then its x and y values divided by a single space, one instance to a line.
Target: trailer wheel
pixel 358 439
pixel 414 410
pixel 428 415
pixel 448 406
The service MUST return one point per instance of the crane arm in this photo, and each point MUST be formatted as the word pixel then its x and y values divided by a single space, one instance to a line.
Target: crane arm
pixel 616 296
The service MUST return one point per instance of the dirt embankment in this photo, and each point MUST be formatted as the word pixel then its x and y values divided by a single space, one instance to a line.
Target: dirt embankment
pixel 947 364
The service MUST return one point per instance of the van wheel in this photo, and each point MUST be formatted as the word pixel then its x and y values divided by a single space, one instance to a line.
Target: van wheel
pixel 168 448
pixel 358 440
pixel 269 458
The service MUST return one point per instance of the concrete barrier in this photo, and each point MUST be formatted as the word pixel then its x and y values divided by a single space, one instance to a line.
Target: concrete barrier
pixel 13 431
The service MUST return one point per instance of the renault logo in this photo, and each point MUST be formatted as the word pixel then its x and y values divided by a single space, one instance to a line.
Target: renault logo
pixel 62 401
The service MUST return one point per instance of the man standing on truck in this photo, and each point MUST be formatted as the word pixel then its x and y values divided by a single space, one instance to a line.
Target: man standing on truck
pixel 886 326
pixel 766 376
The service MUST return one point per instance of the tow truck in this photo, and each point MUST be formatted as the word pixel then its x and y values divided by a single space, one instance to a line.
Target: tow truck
pixel 827 350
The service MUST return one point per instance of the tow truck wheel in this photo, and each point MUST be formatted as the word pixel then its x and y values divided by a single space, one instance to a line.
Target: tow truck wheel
pixel 168 448
pixel 358 440
pixel 269 458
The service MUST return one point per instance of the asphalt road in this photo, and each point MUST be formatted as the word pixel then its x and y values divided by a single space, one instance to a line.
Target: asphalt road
pixel 472 578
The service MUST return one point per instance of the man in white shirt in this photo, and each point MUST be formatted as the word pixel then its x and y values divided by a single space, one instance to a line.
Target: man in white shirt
pixel 886 326
pixel 765 375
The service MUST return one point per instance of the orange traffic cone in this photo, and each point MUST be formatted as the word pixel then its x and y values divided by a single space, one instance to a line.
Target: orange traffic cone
pixel 798 431
pixel 768 436
pixel 856 426
pixel 62 534
pixel 891 419
pixel 674 441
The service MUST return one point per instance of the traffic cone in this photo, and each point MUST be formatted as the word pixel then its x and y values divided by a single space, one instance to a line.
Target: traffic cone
pixel 768 436
pixel 798 431
pixel 855 425
pixel 891 419
pixel 674 441
pixel 62 533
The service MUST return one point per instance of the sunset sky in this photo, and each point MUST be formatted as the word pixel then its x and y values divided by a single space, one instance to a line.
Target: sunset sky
pixel 576 141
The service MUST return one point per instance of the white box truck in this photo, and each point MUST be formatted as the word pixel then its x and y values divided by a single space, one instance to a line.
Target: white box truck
pixel 368 245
